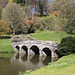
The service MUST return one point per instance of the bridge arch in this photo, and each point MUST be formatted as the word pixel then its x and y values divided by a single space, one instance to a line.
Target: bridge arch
pixel 25 48
pixel 47 51
pixel 35 49
pixel 17 47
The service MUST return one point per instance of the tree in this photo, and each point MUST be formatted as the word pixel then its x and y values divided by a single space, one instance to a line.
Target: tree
pixel 43 6
pixel 4 28
pixel 32 3
pixel 70 26
pixel 13 15
pixel 3 3
pixel 66 10
pixel 20 2
pixel 69 14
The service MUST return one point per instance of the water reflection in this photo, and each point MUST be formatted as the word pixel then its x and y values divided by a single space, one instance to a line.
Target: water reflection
pixel 22 62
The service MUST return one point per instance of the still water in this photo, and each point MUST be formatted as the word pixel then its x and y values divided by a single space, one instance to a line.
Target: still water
pixel 13 65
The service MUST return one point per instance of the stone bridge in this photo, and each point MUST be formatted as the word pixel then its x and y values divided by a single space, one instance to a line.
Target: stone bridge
pixel 36 47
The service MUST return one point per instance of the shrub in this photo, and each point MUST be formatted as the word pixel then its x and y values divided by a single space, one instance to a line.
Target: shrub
pixel 4 28
pixel 18 38
pixel 67 46
pixel 5 37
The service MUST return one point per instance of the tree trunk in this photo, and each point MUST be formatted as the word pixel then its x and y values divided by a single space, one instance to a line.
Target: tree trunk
pixel 41 11
pixel 13 32
pixel 13 29
pixel 33 12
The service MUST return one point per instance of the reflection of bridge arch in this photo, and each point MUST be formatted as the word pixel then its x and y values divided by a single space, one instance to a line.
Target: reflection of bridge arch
pixel 24 58
pixel 35 49
pixel 29 61
pixel 25 48
pixel 34 58
pixel 47 51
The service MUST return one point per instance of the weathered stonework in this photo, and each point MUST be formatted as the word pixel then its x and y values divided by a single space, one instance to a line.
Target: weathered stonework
pixel 42 47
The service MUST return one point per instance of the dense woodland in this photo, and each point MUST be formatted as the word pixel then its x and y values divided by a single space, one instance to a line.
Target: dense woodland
pixel 28 16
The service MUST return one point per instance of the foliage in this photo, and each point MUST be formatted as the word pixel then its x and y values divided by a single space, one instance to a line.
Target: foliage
pixel 20 2
pixel 64 66
pixel 13 15
pixel 27 13
pixel 57 4
pixel 38 25
pixel 67 10
pixel 55 13
pixel 5 37
pixel 52 23
pixel 10 1
pixel 49 23
pixel 21 27
pixel 18 38
pixel 43 7
pixel 67 46
pixel 68 13
pixel 70 26
pixel 4 28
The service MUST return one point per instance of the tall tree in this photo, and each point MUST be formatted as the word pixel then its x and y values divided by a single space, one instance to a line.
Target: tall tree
pixel 43 6
pixel 55 5
pixel 13 15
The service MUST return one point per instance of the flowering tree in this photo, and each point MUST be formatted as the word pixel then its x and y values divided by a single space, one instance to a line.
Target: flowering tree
pixel 55 13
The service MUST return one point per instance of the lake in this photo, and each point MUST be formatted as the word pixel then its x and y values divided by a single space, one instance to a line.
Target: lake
pixel 14 64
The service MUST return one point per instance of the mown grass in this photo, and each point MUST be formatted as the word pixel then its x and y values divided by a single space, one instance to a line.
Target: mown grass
pixel 64 66
pixel 5 45
pixel 50 36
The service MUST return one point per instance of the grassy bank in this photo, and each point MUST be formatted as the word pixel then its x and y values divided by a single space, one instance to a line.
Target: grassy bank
pixel 50 36
pixel 6 55
pixel 5 45
pixel 64 66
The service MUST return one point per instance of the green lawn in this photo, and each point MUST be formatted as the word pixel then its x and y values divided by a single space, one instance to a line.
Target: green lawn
pixel 5 45
pixel 50 36
pixel 64 66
